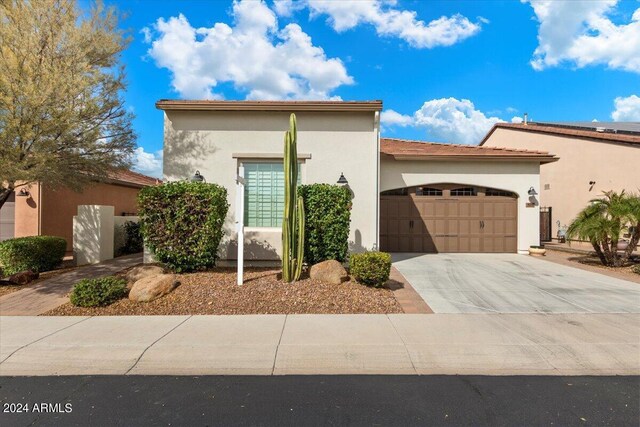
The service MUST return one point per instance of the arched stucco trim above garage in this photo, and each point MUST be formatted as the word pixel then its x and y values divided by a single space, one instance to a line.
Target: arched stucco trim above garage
pixel 412 163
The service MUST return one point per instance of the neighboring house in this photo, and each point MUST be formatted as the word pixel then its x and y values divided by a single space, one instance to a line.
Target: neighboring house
pixel 40 210
pixel 594 157
pixel 407 195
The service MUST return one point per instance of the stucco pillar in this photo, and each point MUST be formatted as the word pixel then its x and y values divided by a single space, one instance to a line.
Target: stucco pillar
pixel 93 234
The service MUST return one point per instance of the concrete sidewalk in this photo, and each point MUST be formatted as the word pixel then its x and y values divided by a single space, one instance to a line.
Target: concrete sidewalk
pixel 483 344
pixel 51 293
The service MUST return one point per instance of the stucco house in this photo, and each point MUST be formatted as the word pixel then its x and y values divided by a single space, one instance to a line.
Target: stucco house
pixel 408 196
pixel 594 157
pixel 42 210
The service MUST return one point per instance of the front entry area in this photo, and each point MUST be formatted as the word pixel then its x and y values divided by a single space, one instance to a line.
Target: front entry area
pixel 448 218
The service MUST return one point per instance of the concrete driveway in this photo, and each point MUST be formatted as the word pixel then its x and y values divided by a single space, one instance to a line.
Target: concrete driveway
pixel 510 283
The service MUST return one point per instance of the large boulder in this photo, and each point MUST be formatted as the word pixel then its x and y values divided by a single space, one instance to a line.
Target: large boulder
pixel 23 278
pixel 330 271
pixel 142 271
pixel 153 287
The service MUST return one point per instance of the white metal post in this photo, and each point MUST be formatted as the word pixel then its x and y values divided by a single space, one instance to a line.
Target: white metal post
pixel 240 221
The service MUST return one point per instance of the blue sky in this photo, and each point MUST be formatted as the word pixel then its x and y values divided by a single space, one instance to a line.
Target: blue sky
pixel 446 70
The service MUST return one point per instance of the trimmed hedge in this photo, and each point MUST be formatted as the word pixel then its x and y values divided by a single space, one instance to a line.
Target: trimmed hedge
pixel 370 268
pixel 35 253
pixel 327 211
pixel 181 222
pixel 98 292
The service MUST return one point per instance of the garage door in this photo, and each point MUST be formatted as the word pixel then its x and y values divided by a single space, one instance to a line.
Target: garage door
pixel 448 218
pixel 7 215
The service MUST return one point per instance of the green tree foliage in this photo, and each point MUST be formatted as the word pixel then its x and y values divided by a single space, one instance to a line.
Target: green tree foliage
pixel 182 222
pixel 62 118
pixel 327 210
pixel 604 221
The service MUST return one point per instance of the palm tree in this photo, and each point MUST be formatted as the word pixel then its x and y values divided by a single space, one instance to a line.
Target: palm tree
pixel 602 223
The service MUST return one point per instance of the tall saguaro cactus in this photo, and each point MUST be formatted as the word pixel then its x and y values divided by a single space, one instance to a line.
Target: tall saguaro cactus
pixel 293 218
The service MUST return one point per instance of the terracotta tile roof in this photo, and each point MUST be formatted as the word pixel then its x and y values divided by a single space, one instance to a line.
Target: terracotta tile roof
pixel 135 179
pixel 175 104
pixel 401 149
pixel 566 131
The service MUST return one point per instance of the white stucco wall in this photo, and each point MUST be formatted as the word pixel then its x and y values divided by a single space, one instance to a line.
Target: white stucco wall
pixel 215 142
pixel 517 177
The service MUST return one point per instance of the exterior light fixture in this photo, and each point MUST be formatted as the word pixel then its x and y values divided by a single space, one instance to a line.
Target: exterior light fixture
pixel 532 191
pixel 197 177
pixel 22 193
pixel 592 183
pixel 342 180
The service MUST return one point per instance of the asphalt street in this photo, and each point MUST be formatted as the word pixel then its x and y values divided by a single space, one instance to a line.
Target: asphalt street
pixel 319 400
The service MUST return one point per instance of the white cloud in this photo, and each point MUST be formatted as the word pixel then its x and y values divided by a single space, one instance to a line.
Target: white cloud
pixel 388 20
pixel 580 32
pixel 516 119
pixel 627 109
pixel 148 163
pixel 393 118
pixel 255 55
pixel 446 119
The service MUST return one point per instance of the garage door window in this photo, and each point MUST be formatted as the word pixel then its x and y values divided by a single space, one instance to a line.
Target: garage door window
pixel 464 191
pixel 498 193
pixel 428 191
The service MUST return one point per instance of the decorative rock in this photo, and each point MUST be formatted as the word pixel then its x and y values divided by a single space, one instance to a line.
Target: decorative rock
pixel 330 271
pixel 23 278
pixel 142 271
pixel 153 287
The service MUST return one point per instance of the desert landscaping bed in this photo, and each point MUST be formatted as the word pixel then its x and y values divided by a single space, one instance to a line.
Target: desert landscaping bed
pixel 590 262
pixel 216 292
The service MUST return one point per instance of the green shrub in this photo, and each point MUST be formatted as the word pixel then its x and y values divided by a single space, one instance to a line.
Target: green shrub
pixel 98 292
pixel 328 214
pixel 636 269
pixel 182 223
pixel 36 253
pixel 370 268
pixel 133 242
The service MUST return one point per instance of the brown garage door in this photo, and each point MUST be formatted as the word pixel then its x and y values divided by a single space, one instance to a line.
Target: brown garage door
pixel 448 218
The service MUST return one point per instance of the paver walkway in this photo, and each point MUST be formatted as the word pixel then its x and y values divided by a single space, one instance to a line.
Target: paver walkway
pixel 479 344
pixel 51 293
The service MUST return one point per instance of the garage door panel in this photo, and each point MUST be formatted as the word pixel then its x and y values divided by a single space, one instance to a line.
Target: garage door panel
pixel 444 224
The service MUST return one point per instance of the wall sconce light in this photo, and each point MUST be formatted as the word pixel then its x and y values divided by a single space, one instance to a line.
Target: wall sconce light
pixel 532 191
pixel 342 180
pixel 22 193
pixel 197 177
pixel 592 183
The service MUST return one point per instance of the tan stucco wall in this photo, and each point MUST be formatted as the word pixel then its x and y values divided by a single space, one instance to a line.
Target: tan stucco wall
pixel 612 166
pixel 27 213
pixel 517 177
pixel 337 142
pixel 50 212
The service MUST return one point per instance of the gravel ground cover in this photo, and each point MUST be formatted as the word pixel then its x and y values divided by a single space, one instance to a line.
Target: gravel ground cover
pixel 592 263
pixel 216 292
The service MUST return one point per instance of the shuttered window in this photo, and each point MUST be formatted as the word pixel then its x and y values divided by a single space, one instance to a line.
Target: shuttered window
pixel 264 194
